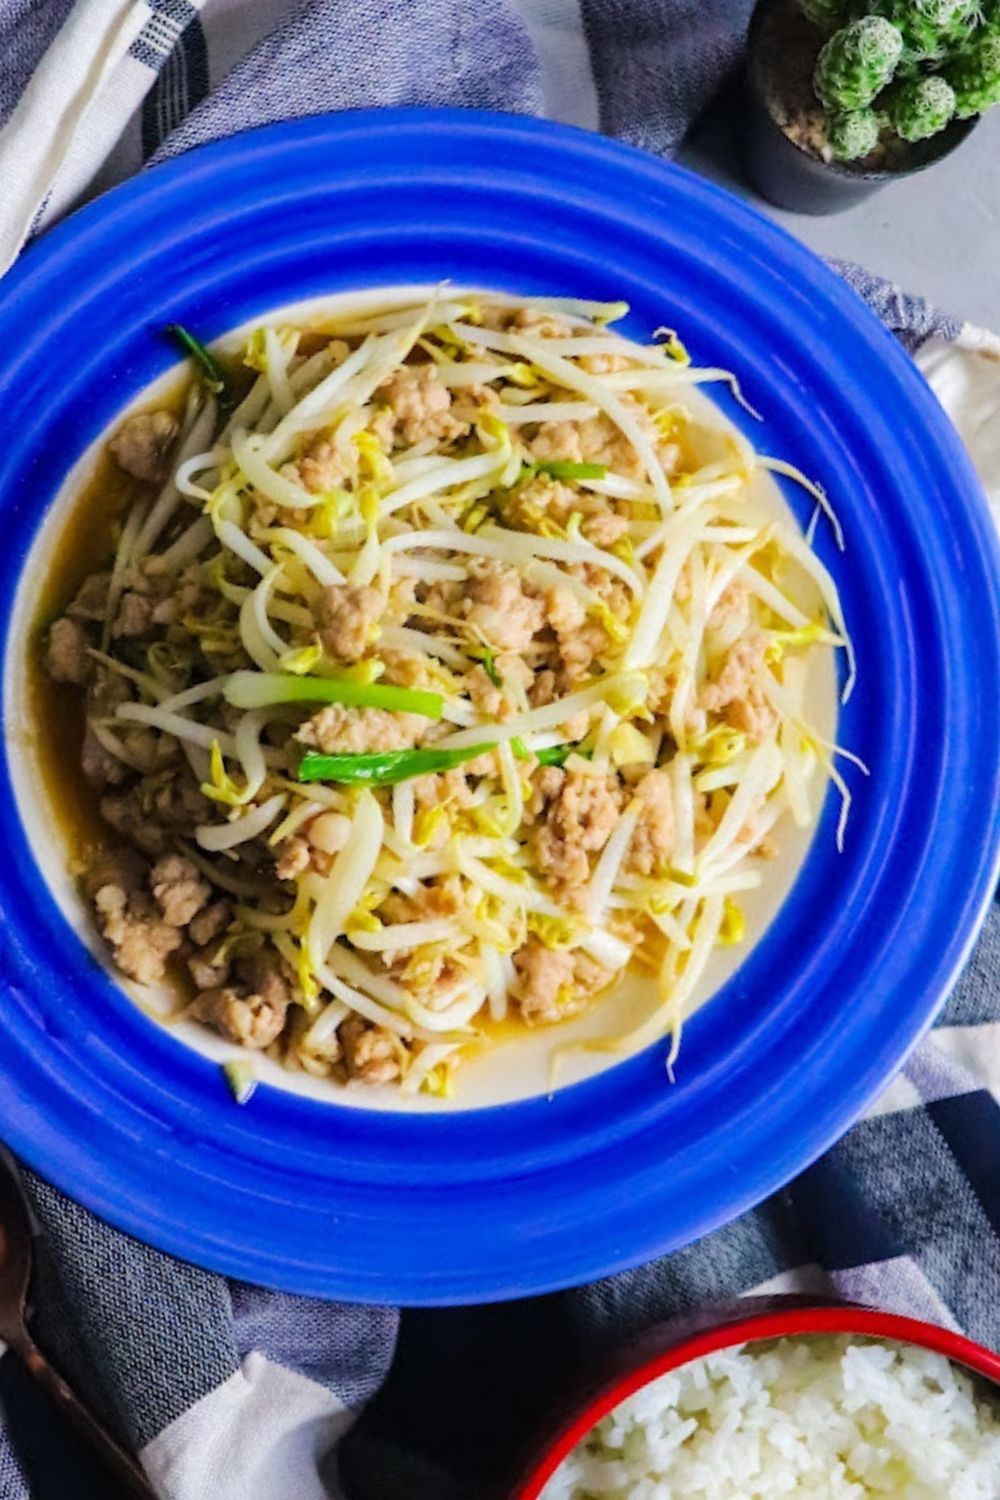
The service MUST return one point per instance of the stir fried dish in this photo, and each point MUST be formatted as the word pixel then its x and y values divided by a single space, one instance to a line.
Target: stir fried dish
pixel 442 666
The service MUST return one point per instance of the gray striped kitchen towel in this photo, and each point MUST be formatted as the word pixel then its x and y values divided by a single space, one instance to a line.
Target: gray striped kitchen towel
pixel 233 1392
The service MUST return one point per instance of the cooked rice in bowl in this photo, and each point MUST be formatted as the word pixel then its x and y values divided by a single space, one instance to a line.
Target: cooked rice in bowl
pixel 836 1418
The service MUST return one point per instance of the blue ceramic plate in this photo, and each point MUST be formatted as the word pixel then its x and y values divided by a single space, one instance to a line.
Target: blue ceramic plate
pixel 515 1199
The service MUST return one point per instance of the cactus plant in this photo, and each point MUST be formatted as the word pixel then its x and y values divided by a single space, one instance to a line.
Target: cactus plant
pixel 929 28
pixel 857 62
pixel 921 107
pixel 902 68
pixel 975 78
pixel 853 133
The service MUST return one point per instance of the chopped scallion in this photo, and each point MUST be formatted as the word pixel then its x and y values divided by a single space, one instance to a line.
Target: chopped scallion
pixel 241 1078
pixel 490 667
pixel 212 374
pixel 554 755
pixel 550 755
pixel 384 768
pixel 564 469
pixel 261 689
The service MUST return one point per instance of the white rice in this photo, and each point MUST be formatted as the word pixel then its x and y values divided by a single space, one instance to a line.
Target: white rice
pixel 832 1418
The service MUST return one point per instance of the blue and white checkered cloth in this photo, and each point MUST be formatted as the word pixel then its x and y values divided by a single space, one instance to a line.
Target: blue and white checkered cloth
pixel 238 1393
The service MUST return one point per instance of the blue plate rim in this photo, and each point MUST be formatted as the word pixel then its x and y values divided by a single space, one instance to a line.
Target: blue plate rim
pixel 273 140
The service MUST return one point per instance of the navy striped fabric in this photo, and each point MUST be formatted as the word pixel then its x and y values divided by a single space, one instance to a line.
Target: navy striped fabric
pixel 172 44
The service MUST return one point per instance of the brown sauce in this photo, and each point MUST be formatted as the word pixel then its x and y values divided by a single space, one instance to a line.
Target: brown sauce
pixel 55 718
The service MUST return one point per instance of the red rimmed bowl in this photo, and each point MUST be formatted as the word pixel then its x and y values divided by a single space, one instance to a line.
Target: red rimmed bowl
pixel 682 1340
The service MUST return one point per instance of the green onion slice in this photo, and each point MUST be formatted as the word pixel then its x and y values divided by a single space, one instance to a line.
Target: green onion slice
pixel 564 469
pixel 261 689
pixel 241 1077
pixel 490 667
pixel 383 768
pixel 212 374
pixel 554 755
pixel 551 755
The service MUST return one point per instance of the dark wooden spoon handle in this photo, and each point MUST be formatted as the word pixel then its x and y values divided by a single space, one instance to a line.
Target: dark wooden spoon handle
pixel 122 1464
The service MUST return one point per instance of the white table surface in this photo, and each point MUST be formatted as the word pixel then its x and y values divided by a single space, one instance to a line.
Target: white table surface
pixel 937 234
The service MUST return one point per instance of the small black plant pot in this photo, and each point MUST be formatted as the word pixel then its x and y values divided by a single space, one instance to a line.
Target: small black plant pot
pixel 781 170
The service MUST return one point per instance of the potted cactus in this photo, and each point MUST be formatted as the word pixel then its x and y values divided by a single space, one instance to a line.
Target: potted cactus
pixel 846 95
